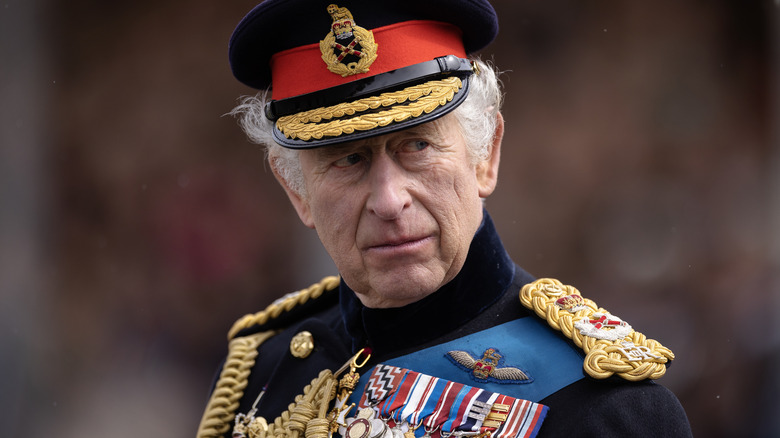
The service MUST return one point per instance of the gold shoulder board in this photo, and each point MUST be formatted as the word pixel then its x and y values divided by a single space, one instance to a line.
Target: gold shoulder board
pixel 611 345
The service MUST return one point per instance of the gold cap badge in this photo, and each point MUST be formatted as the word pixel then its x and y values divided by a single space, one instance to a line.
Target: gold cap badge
pixel 347 49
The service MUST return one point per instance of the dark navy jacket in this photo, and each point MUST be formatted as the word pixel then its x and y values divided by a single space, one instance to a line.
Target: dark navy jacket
pixel 483 295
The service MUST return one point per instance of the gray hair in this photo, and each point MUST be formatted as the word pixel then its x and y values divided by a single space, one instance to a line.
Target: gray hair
pixel 476 118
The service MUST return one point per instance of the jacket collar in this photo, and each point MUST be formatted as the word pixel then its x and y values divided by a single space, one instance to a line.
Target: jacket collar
pixel 485 275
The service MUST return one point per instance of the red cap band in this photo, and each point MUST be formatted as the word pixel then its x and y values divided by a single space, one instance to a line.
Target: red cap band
pixel 301 70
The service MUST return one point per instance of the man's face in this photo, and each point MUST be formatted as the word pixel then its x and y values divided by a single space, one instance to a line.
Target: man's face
pixel 397 212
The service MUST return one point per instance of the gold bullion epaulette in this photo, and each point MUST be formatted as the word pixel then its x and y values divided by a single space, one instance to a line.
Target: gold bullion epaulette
pixel 284 305
pixel 611 345
pixel 242 352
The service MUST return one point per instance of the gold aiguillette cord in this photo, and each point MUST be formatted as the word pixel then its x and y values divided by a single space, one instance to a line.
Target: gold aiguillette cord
pixel 309 414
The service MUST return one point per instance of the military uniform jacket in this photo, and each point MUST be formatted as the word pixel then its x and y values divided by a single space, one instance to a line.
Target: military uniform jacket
pixel 449 334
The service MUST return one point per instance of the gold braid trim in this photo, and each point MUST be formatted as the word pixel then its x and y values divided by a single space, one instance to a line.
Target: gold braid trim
pixel 309 409
pixel 220 411
pixel 284 304
pixel 224 401
pixel 422 98
pixel 308 416
pixel 632 357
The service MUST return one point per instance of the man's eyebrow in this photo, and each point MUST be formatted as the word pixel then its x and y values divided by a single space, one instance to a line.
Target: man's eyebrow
pixel 433 127
pixel 335 150
pixel 431 130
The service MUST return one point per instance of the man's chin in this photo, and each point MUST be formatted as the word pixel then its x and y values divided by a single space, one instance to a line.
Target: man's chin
pixel 389 291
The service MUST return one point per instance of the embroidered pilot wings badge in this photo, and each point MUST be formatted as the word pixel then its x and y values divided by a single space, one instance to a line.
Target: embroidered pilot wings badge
pixel 487 367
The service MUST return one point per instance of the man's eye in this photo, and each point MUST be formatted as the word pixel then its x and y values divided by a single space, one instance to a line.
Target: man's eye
pixel 416 145
pixel 349 160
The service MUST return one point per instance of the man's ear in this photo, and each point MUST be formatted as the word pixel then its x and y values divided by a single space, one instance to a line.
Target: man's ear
pixel 299 202
pixel 487 170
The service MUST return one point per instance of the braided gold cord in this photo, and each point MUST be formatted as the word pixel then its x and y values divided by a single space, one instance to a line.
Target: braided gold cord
pixel 242 352
pixel 224 401
pixel 603 358
pixel 305 416
pixel 284 305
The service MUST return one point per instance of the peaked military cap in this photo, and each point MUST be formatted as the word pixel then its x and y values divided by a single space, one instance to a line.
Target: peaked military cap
pixel 359 68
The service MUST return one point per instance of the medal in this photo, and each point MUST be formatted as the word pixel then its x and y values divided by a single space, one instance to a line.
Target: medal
pixel 400 401
pixel 366 425
pixel 247 423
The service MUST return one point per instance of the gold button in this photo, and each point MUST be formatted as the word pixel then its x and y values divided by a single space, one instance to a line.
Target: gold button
pixel 302 344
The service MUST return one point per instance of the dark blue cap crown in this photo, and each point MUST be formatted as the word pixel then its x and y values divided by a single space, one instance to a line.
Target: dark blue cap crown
pixel 315 55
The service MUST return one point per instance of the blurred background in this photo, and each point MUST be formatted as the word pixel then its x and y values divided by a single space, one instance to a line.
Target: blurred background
pixel 641 164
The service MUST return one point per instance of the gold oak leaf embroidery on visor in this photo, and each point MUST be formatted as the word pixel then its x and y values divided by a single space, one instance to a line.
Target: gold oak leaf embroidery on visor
pixel 422 98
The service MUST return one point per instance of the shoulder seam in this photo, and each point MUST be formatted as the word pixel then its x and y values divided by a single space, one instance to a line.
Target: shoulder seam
pixel 283 305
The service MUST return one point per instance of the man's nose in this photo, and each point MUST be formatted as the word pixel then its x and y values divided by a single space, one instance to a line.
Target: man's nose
pixel 389 186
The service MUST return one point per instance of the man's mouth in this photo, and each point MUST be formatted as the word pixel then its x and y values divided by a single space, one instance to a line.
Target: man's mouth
pixel 399 244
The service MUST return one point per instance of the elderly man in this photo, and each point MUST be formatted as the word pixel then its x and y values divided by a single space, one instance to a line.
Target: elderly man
pixel 386 139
